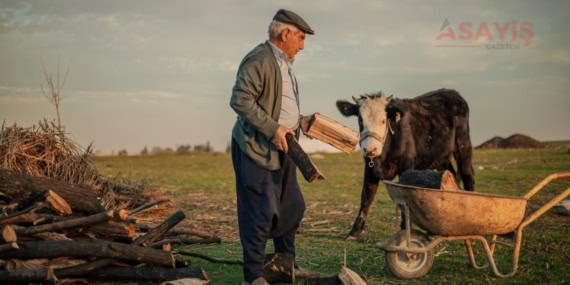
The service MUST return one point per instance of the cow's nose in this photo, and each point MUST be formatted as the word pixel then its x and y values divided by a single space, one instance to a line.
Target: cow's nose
pixel 370 150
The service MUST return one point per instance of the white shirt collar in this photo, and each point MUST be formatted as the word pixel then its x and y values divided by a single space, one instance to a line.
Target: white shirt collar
pixel 280 54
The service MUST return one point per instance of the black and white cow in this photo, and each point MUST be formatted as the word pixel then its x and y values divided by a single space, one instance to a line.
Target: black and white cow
pixel 396 135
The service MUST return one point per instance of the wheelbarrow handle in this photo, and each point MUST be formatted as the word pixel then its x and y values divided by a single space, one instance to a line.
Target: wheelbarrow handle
pixel 544 182
pixel 548 205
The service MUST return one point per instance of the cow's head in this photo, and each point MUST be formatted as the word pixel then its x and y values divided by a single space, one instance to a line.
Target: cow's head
pixel 372 121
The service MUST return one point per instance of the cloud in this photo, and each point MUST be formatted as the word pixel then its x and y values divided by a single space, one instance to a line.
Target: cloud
pixel 27 95
pixel 124 27
pixel 159 94
pixel 6 99
pixel 21 95
pixel 193 65
pixel 391 40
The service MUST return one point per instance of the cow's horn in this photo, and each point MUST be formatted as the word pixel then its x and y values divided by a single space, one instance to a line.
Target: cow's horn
pixel 355 100
pixel 390 97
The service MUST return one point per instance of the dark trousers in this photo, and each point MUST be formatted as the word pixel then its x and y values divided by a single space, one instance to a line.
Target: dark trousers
pixel 270 206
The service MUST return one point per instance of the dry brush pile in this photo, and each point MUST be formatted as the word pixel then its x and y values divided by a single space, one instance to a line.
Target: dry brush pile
pixel 61 221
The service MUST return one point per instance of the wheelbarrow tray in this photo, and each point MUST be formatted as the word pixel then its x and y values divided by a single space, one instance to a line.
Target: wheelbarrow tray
pixel 459 213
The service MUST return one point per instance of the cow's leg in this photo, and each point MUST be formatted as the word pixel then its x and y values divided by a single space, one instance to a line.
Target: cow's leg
pixel 450 168
pixel 466 168
pixel 369 188
pixel 464 155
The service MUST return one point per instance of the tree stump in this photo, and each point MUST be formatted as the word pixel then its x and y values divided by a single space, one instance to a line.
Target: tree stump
pixel 432 179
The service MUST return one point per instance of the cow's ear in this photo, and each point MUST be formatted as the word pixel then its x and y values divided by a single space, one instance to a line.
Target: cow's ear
pixel 346 108
pixel 396 109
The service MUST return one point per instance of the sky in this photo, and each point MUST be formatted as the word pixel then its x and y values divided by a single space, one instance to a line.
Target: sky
pixel 160 73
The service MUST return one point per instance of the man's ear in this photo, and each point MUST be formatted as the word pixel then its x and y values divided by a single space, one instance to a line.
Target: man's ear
pixel 284 34
pixel 346 108
pixel 396 109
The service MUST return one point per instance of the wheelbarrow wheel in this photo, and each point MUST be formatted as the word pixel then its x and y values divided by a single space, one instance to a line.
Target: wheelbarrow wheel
pixel 407 265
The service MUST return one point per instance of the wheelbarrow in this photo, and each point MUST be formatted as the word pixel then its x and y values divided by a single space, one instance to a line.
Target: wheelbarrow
pixel 457 216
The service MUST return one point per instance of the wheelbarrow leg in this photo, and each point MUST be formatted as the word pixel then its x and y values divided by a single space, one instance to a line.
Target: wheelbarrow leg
pixel 405 223
pixel 491 259
pixel 472 256
pixel 408 224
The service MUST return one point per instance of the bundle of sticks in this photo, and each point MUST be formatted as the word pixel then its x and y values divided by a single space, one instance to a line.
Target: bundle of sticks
pixel 54 230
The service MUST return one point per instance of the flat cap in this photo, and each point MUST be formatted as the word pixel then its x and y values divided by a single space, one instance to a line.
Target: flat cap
pixel 286 16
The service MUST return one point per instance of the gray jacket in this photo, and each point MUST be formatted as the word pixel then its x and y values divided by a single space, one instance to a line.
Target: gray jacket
pixel 256 98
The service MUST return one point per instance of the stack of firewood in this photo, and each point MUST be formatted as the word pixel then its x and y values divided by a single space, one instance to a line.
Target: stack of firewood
pixel 53 230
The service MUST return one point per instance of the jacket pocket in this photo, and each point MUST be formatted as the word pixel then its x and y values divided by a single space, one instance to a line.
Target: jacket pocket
pixel 255 140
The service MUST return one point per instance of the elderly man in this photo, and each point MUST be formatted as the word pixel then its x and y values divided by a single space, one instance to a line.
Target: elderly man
pixel 266 98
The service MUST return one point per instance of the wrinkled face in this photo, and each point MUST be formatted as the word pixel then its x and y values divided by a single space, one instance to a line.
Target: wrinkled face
pixel 372 121
pixel 293 42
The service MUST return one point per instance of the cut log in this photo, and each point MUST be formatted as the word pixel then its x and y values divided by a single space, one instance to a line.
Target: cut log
pixel 329 131
pixel 432 179
pixel 57 203
pixel 149 273
pixel 209 258
pixel 68 224
pixel 93 248
pixel 121 215
pixel 8 246
pixel 8 234
pixel 350 277
pixel 16 264
pixel 149 237
pixel 51 236
pixel 279 268
pixel 147 206
pixel 187 241
pixel 306 166
pixel 9 219
pixel 161 229
pixel 114 229
pixel 79 197
pixel 30 218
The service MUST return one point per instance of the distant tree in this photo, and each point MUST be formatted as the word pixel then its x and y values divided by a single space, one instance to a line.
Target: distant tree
pixel 199 148
pixel 123 152
pixel 228 148
pixel 203 147
pixel 208 147
pixel 54 90
pixel 168 150
pixel 183 149
pixel 144 151
pixel 156 150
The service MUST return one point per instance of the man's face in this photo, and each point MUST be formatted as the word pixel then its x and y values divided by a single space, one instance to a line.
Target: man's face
pixel 293 42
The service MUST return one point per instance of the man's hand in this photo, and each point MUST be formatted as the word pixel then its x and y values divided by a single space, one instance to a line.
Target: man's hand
pixel 279 139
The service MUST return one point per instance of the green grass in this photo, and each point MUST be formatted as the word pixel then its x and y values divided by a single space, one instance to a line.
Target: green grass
pixel 558 142
pixel 203 186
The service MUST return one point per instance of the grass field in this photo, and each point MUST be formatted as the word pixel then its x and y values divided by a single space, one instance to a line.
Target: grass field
pixel 203 186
